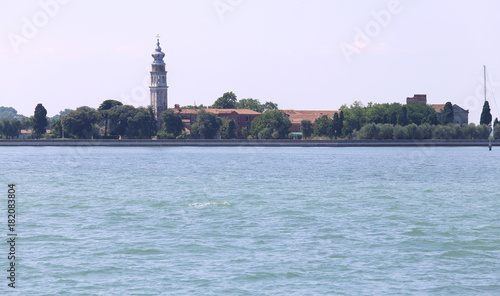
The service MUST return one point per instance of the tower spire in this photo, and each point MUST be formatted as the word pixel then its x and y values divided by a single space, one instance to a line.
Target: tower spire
pixel 159 87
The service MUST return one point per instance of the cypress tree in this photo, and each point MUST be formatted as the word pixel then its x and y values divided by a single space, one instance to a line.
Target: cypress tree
pixel 486 114
pixel 336 125
pixel 403 117
pixel 40 121
pixel 447 116
pixel 394 118
pixel 341 123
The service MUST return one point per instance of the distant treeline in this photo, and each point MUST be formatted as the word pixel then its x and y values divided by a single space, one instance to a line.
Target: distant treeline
pixel 113 120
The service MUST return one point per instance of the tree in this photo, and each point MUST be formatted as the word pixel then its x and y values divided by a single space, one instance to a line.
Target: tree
pixel 403 116
pixel 7 112
pixel 227 101
pixel 56 127
pixel 251 104
pixel 496 121
pixel 447 115
pixel 323 126
pixel 172 125
pixel 421 113
pixel 486 114
pixel 10 128
pixel 142 123
pixel 341 123
pixel 307 128
pixel 394 118
pixel 80 123
pixel 118 117
pixel 40 121
pixel 271 125
pixel 27 122
pixel 228 129
pixel 336 130
pixel 270 106
pixel 104 110
pixel 207 125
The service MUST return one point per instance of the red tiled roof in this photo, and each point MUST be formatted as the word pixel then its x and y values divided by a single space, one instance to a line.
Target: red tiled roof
pixel 438 107
pixel 296 116
pixel 221 111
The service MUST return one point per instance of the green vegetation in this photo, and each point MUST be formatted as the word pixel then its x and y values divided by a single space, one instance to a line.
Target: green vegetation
pixel 81 123
pixel 40 121
pixel 227 101
pixel 126 121
pixel 375 121
pixel 271 125
pixel 207 126
pixel 486 114
pixel 228 129
pixel 230 101
pixel 307 128
pixel 357 116
pixel 104 110
pixel 7 112
pixel 423 131
pixel 9 128
pixel 172 126
pixel 447 116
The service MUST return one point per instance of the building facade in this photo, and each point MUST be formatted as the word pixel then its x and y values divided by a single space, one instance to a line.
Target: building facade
pixel 296 117
pixel 460 115
pixel 242 118
pixel 158 87
pixel 417 99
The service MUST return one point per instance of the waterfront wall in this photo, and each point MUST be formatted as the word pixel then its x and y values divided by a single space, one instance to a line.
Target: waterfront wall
pixel 251 143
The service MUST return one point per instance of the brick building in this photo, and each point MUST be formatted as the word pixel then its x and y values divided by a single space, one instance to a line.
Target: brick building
pixel 296 117
pixel 417 99
pixel 242 117
pixel 460 115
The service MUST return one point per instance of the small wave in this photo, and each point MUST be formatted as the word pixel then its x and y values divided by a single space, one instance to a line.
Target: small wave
pixel 225 203
pixel 415 232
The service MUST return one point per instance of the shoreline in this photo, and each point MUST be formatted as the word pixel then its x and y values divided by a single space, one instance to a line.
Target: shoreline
pixel 248 143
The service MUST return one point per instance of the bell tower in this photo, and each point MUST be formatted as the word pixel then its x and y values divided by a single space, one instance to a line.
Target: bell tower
pixel 158 88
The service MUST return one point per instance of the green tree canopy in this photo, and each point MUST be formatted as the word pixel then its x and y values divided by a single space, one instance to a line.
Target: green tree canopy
pixel 40 121
pixel 228 129
pixel 7 112
pixel 81 122
pixel 104 110
pixel 421 113
pixel 142 124
pixel 307 128
pixel 336 128
pixel 251 104
pixel 354 117
pixel 133 123
pixel 172 125
pixel 403 116
pixel 447 115
pixel 271 125
pixel 486 114
pixel 323 127
pixel 10 128
pixel 227 101
pixel 207 125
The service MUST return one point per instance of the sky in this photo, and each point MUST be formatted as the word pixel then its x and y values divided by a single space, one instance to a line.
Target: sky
pixel 308 55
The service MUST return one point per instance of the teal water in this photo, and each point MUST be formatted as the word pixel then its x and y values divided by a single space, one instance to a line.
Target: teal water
pixel 254 221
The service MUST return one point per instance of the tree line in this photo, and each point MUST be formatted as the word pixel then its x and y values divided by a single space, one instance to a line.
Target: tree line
pixel 113 120
pixel 397 121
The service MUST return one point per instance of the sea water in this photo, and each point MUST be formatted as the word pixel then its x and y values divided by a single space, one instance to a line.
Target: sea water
pixel 253 221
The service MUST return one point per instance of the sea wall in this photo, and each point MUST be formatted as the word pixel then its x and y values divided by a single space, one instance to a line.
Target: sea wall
pixel 251 143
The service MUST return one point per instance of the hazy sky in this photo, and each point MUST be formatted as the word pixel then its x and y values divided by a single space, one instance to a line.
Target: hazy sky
pixel 316 54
